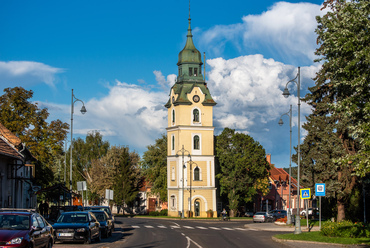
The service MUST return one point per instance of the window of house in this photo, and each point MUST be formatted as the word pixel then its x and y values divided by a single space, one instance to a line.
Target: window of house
pixel 196 142
pixel 196 174
pixel 190 71
pixel 195 115
pixel 173 202
pixel 173 174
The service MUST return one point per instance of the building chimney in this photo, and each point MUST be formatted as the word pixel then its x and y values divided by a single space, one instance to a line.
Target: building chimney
pixel 268 158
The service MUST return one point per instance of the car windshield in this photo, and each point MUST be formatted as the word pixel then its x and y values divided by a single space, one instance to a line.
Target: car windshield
pixel 73 218
pixel 260 213
pixel 100 216
pixel 14 221
pixel 106 209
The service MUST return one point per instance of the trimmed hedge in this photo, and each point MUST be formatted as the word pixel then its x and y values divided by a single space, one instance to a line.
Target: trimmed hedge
pixel 163 212
pixel 346 229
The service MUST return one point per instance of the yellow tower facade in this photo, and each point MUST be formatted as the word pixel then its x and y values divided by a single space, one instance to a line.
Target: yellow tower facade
pixel 190 139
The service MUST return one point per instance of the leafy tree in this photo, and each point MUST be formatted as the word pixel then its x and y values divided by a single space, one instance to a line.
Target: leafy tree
pixel 154 165
pixel 84 152
pixel 26 120
pixel 336 148
pixel 126 181
pixel 244 168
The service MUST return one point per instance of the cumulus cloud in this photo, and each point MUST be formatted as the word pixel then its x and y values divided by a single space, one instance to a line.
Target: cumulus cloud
pixel 128 114
pixel 249 89
pixel 285 32
pixel 165 83
pixel 27 73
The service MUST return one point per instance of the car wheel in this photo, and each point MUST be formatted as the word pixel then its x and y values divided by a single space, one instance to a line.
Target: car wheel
pixel 88 238
pixel 98 239
pixel 50 244
pixel 110 232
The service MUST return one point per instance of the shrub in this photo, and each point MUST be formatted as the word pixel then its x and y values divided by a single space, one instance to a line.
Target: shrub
pixel 164 212
pixel 346 229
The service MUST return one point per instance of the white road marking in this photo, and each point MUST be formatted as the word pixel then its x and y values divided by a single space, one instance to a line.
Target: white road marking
pixel 189 227
pixel 226 228
pixel 175 227
pixel 190 240
pixel 240 229
pixel 201 227
pixel 135 226
pixel 162 226
pixel 214 228
pixel 149 226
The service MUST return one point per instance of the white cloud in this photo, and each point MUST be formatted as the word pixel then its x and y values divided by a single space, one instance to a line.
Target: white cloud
pixel 166 84
pixel 129 114
pixel 27 73
pixel 248 90
pixel 285 31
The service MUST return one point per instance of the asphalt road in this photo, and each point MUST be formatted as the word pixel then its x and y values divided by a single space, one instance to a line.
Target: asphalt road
pixel 148 233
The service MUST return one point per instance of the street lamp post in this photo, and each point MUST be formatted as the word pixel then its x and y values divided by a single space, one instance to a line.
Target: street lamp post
pixel 83 111
pixel 65 161
pixel 289 113
pixel 191 178
pixel 286 94
pixel 183 151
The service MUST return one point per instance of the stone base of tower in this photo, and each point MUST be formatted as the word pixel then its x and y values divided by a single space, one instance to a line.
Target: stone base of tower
pixel 202 201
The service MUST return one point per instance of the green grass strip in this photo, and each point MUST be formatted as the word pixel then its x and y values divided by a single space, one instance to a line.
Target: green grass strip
pixel 318 237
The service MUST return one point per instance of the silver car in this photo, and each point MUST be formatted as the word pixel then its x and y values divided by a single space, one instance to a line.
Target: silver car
pixel 262 217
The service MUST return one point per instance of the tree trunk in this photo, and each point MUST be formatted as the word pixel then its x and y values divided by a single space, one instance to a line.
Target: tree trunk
pixel 341 213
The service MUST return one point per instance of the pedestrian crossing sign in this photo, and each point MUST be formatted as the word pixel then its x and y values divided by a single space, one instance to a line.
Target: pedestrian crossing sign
pixel 306 193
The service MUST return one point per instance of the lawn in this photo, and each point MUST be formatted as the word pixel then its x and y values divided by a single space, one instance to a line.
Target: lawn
pixel 316 236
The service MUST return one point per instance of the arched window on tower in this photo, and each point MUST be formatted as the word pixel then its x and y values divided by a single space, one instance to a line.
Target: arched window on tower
pixel 173 142
pixel 196 142
pixel 173 116
pixel 195 115
pixel 196 174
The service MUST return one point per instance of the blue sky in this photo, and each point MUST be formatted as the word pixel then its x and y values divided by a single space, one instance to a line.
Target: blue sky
pixel 120 58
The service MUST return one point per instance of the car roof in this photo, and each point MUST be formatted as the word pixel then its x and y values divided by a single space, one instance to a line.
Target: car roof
pixel 76 212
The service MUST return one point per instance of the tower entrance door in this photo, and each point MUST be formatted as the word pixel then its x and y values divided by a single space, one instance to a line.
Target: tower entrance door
pixel 197 208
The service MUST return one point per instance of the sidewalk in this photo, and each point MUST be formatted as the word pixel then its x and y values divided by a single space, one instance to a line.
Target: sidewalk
pixel 278 227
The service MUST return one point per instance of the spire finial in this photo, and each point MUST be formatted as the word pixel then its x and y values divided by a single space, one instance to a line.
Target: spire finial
pixel 189 9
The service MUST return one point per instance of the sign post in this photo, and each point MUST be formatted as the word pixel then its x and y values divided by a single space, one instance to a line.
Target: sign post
pixel 306 194
pixel 320 191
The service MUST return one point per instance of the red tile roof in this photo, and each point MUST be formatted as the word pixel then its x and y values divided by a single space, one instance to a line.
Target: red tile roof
pixel 9 143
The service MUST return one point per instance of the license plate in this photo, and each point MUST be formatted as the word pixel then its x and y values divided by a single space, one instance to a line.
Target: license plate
pixel 65 234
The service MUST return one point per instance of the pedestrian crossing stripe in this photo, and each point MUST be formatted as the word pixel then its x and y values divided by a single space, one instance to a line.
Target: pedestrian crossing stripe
pixel 191 227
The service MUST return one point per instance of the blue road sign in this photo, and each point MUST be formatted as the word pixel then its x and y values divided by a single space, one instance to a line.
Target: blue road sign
pixel 305 193
pixel 320 189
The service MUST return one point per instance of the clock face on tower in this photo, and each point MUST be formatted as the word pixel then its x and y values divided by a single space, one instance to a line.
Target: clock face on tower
pixel 196 98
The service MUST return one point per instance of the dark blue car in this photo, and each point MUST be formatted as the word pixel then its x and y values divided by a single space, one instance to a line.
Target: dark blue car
pixel 106 225
pixel 77 226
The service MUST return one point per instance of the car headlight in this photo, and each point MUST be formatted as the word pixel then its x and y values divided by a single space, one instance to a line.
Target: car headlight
pixel 80 230
pixel 15 241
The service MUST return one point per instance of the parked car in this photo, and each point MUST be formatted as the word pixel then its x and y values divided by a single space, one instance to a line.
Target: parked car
pixel 311 211
pixel 106 209
pixel 278 213
pixel 248 214
pixel 24 228
pixel 77 226
pixel 106 225
pixel 262 217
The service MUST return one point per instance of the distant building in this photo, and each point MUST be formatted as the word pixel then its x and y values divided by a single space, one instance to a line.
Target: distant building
pixel 16 172
pixel 278 197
